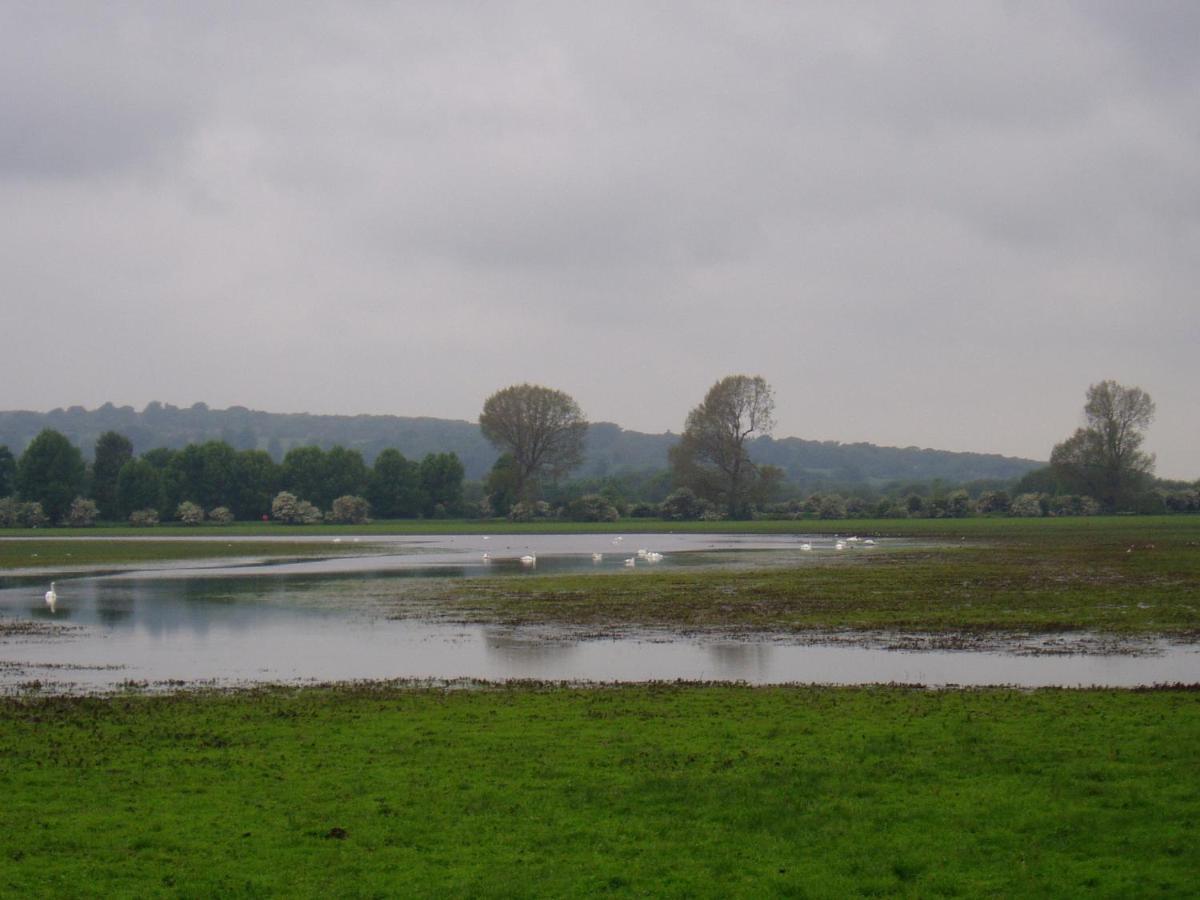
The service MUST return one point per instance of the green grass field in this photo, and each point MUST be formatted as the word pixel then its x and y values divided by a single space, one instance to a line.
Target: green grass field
pixel 635 791
pixel 979 527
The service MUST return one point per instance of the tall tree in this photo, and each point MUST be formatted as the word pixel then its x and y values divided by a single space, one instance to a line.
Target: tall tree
pixel 255 483
pixel 442 484
pixel 113 450
pixel 345 475
pixel 303 473
pixel 51 472
pixel 394 487
pixel 139 486
pixel 8 472
pixel 542 428
pixel 1104 459
pixel 501 485
pixel 711 457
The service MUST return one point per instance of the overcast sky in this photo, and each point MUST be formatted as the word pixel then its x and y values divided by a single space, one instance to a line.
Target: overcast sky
pixel 922 223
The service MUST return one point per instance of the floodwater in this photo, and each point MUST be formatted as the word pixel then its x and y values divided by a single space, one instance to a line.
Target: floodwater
pixel 247 621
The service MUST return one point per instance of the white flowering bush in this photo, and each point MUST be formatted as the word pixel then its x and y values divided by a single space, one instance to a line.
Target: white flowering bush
pixel 189 513
pixel 350 510
pixel 290 510
pixel 32 515
pixel 1026 506
pixel 83 513
pixel 143 518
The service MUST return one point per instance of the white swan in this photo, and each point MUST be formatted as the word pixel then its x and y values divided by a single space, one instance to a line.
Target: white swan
pixel 631 562
pixel 51 597
pixel 529 560
pixel 806 546
pixel 596 557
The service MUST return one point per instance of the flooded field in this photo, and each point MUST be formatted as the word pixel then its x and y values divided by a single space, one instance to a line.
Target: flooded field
pixel 332 619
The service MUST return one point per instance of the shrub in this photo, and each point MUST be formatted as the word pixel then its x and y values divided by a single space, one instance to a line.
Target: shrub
pixel 992 502
pixel 350 510
pixel 220 516
pixel 470 509
pixel 1179 501
pixel 1026 506
pixel 958 504
pixel 858 508
pixel 143 518
pixel 83 513
pixel 291 511
pixel 527 512
pixel 681 505
pixel 189 513
pixel 643 510
pixel 1149 503
pixel 31 515
pixel 591 508
pixel 8 512
pixel 831 507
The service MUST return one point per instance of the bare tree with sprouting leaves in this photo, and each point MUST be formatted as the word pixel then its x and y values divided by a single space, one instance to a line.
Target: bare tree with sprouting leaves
pixel 711 457
pixel 1104 459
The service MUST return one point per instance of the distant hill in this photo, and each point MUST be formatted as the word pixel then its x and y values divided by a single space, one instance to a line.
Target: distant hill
pixel 610 448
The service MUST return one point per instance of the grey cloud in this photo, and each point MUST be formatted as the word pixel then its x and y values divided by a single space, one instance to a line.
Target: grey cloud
pixel 890 211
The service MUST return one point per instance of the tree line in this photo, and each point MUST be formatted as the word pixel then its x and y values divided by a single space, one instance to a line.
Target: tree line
pixel 1100 468
pixel 50 482
pixel 609 449
pixel 539 433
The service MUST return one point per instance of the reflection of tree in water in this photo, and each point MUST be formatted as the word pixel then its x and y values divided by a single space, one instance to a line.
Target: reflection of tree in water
pixel 743 658
pixel 536 650
pixel 115 607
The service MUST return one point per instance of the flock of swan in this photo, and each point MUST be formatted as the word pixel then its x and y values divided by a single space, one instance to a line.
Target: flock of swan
pixel 653 556
pixel 843 543
pixel 529 560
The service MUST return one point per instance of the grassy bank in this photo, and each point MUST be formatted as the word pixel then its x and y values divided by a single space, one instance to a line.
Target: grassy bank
pixel 1116 575
pixel 973 528
pixel 669 791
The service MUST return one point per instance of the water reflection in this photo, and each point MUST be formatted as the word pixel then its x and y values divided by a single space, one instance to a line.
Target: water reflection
pixel 323 620
pixel 537 654
pixel 741 661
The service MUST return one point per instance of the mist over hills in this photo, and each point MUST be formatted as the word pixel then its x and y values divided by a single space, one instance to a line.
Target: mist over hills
pixel 610 448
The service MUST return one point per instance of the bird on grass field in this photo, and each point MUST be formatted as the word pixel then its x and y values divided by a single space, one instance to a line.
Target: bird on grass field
pixel 51 597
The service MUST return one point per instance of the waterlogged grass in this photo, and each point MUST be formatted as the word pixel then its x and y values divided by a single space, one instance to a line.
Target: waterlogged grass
pixel 54 553
pixel 1116 575
pixel 652 790
pixel 1123 575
